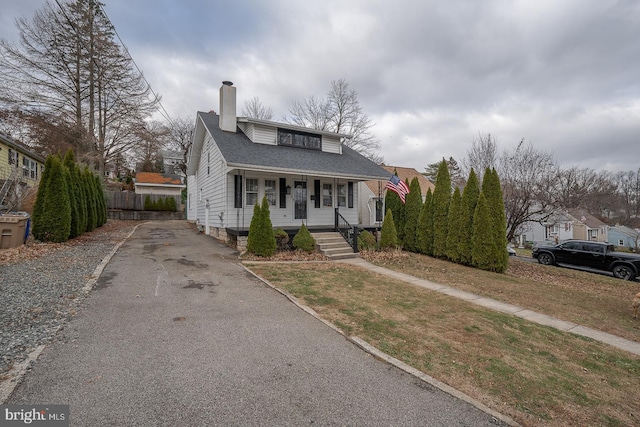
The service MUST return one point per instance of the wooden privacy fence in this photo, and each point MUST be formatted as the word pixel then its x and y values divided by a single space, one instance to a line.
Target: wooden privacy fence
pixel 128 200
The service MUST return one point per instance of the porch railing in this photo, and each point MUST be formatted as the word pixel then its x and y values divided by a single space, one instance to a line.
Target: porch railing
pixel 349 232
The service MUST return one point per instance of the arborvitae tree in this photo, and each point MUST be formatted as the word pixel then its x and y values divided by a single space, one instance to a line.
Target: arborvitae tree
pixel 303 240
pixel 269 243
pixel 441 202
pixel 101 203
pixel 261 240
pixel 389 237
pixel 92 210
pixel 484 250
pixel 253 238
pixel 37 215
pixel 74 195
pixel 493 194
pixel 468 208
pixel 425 226
pixel 413 207
pixel 54 224
pixel 454 227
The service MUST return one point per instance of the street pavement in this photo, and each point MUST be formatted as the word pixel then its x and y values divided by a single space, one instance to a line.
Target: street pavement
pixel 177 333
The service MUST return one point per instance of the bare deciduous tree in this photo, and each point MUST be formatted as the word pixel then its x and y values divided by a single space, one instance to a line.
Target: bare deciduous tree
pixel 69 68
pixel 339 112
pixel 255 109
pixel 181 137
pixel 482 154
pixel 526 175
pixel 153 137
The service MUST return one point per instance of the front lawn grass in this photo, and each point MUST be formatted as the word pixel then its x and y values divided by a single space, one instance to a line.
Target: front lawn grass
pixel 534 374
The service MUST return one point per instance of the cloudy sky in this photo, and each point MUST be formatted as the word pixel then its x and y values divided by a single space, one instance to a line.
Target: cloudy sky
pixel 432 75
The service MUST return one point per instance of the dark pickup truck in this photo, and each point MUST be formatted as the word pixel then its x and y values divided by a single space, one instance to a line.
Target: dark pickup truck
pixel 600 256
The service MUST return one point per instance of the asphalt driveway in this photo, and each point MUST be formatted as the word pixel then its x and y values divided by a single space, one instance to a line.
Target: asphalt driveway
pixel 178 334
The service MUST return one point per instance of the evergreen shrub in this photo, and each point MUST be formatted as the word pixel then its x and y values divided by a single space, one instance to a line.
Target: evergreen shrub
pixel 303 240
pixel 366 241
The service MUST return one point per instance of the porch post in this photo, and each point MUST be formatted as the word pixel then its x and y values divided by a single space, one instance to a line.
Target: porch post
pixel 354 243
pixel 335 219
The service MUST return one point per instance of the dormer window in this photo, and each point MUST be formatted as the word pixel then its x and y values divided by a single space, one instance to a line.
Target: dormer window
pixel 299 139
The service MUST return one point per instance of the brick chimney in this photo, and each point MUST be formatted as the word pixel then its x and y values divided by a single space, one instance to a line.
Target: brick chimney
pixel 228 107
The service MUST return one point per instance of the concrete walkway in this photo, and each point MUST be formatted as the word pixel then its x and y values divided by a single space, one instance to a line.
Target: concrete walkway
pixel 542 319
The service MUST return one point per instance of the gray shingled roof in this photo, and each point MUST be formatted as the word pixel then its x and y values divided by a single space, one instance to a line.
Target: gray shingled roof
pixel 238 151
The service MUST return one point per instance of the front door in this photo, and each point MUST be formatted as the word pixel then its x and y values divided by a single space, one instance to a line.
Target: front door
pixel 300 199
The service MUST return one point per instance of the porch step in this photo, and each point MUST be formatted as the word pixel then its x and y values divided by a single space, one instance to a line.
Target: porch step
pixel 333 245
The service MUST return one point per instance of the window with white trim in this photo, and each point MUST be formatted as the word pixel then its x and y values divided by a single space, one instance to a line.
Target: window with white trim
pixel 593 234
pixel 270 191
pixel 620 242
pixel 251 192
pixel 327 195
pixel 29 168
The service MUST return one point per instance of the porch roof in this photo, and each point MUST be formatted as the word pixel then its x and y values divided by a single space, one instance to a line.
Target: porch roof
pixel 240 152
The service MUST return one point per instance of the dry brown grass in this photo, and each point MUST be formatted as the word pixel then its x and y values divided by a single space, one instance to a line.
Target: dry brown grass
pixel 535 374
pixel 589 299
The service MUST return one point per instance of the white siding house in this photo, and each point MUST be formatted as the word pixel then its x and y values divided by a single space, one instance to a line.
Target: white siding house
pixel 306 175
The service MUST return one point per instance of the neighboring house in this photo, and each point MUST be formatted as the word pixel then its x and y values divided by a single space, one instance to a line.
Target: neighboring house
pixel 172 161
pixel 161 184
pixel 20 170
pixel 572 224
pixel 372 194
pixel 624 237
pixel 308 176
pixel 556 228
pixel 587 227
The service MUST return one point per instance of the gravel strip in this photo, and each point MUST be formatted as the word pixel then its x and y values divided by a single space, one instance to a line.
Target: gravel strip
pixel 40 294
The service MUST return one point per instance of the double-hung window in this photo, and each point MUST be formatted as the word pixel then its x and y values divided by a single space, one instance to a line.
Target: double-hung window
pixel 251 192
pixel 270 191
pixel 29 168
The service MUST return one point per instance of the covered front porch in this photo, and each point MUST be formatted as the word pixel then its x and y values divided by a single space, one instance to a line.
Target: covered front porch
pixel 237 236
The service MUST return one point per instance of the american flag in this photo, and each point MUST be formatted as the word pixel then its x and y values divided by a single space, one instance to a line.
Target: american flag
pixel 398 186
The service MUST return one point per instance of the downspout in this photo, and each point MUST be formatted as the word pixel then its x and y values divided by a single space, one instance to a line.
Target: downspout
pixel 207 231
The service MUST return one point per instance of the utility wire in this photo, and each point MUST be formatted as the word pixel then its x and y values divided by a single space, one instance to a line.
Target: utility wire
pixel 166 114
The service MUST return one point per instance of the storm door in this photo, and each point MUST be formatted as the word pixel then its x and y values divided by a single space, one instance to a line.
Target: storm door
pixel 300 199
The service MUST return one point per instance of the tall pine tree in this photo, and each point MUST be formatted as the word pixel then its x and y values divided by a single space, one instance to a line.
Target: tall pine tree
pixel 92 209
pixel 441 202
pixel 413 206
